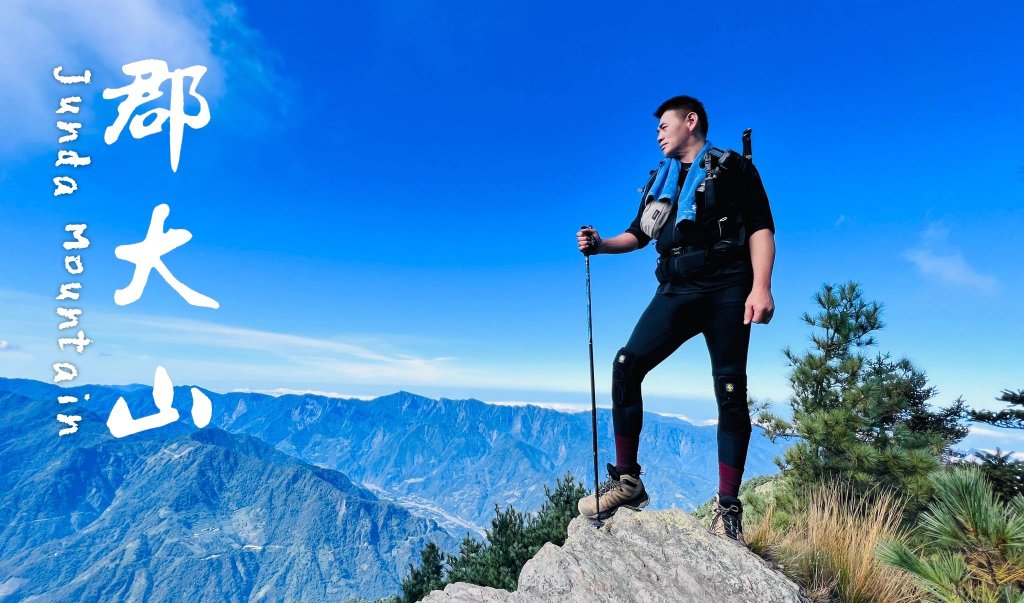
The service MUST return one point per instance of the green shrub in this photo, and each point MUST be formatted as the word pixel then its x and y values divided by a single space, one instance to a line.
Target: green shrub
pixel 512 540
pixel 971 544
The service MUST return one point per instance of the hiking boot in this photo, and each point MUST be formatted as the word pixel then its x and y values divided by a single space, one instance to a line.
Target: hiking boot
pixel 624 490
pixel 727 520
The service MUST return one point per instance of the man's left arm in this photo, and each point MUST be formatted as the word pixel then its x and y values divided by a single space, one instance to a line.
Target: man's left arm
pixel 760 306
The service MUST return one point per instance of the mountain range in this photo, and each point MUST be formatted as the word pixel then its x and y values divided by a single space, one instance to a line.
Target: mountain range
pixel 455 460
pixel 298 497
pixel 184 514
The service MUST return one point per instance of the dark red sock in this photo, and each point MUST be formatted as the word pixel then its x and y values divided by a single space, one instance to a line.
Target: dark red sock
pixel 729 480
pixel 625 453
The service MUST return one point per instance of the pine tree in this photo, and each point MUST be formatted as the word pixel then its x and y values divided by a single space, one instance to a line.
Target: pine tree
pixel 496 562
pixel 427 577
pixel 549 525
pixel 1006 475
pixel 507 550
pixel 515 538
pixel 468 564
pixel 1012 418
pixel 862 420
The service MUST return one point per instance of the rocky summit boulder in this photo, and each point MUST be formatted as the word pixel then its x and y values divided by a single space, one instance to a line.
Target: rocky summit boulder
pixel 646 557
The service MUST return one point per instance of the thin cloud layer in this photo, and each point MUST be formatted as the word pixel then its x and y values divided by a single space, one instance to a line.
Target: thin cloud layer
pixel 103 35
pixel 339 361
pixel 1007 434
pixel 935 258
pixel 284 391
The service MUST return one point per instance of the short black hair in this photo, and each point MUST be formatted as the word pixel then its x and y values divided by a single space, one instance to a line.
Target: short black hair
pixel 685 105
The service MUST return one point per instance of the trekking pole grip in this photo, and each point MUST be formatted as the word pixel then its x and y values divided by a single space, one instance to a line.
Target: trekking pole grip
pixel 592 249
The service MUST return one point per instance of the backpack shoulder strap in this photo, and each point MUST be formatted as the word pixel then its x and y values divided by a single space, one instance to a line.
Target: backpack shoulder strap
pixel 718 163
pixel 650 182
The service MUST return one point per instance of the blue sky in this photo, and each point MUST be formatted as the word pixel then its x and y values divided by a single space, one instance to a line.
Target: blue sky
pixel 387 193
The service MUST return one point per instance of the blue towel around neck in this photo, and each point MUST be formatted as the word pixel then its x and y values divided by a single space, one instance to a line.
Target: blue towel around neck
pixel 665 183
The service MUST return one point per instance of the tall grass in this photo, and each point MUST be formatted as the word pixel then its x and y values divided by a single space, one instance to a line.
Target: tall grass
pixel 830 548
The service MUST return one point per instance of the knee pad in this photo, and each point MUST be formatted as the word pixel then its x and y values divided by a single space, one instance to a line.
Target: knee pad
pixel 623 370
pixel 731 395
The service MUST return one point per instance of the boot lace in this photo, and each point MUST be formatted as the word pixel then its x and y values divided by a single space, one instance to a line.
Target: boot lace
pixel 612 484
pixel 730 518
pixel 607 487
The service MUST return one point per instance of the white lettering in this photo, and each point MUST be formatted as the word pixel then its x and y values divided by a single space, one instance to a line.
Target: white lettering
pixel 85 78
pixel 65 185
pixel 64 371
pixel 79 342
pixel 67 107
pixel 73 264
pixel 71 314
pixel 71 127
pixel 71 158
pixel 71 420
pixel 67 293
pixel 76 231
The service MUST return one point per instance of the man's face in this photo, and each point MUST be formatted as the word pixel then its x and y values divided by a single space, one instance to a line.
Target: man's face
pixel 674 132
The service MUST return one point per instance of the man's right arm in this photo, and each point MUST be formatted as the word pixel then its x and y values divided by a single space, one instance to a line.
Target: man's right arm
pixel 588 238
pixel 623 243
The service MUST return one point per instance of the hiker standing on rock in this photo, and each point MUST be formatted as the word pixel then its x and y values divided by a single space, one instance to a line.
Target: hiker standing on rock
pixel 708 214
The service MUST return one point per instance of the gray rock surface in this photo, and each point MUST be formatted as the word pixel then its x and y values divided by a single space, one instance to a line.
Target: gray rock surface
pixel 646 557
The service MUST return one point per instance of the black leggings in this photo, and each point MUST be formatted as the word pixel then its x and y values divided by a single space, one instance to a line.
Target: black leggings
pixel 666 324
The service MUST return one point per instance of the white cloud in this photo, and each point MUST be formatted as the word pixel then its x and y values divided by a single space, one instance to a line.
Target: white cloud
pixel 566 407
pixel 103 35
pixel 12 353
pixel 332 360
pixel 284 391
pixel 128 345
pixel 934 257
pixel 704 423
pixel 1007 434
pixel 305 362
pixel 576 408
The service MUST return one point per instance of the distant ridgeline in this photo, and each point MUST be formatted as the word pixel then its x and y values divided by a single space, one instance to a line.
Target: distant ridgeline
pixel 183 514
pixel 232 508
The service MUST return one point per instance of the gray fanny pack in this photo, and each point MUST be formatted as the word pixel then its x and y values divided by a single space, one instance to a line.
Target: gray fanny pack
pixel 655 216
pixel 657 211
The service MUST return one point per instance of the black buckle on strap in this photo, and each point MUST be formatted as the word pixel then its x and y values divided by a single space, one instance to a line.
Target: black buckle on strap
pixel 676 251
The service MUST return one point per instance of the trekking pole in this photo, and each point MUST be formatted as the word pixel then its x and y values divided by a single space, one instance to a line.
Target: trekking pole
pixel 593 390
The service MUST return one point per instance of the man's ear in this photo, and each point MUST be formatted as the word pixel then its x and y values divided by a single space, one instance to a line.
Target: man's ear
pixel 691 121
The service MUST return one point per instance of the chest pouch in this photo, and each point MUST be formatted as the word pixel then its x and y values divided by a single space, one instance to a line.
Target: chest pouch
pixel 657 212
pixel 655 216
